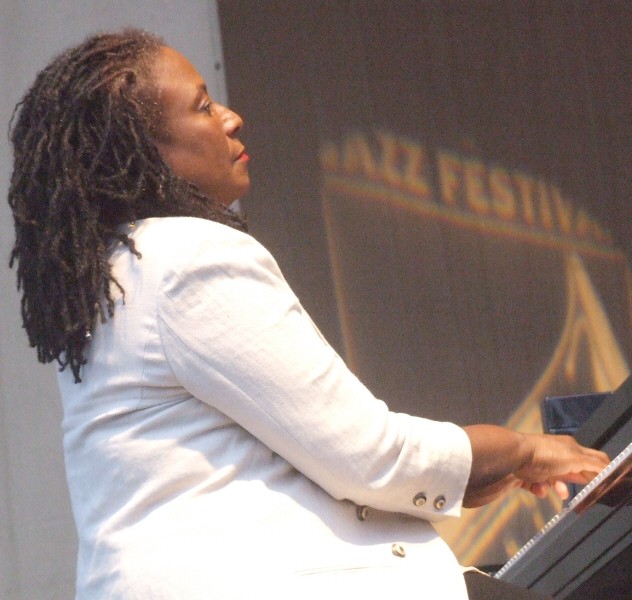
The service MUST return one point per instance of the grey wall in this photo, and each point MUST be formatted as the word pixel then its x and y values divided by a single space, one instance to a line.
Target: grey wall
pixel 37 537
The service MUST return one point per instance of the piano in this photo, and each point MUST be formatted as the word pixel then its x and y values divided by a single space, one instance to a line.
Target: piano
pixel 585 551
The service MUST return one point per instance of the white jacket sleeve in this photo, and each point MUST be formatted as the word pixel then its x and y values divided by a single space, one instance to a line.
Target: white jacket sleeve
pixel 238 339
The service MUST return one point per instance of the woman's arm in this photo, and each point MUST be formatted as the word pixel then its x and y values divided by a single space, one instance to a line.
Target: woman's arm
pixel 237 339
pixel 503 459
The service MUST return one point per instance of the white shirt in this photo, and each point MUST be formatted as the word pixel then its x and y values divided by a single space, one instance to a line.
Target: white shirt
pixel 218 447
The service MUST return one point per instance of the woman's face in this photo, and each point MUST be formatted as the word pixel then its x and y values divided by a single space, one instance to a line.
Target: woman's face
pixel 196 136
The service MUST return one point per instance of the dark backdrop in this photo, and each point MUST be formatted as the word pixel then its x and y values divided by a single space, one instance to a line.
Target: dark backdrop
pixel 447 307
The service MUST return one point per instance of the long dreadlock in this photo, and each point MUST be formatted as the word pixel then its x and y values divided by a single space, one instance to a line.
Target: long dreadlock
pixel 84 163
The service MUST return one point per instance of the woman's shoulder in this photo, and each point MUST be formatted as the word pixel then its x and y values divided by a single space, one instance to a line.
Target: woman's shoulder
pixel 183 229
pixel 182 235
pixel 177 241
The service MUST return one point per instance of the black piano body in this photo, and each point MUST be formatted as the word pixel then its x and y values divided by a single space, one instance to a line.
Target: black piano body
pixel 588 554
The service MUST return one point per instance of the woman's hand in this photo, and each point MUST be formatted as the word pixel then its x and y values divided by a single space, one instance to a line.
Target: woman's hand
pixel 503 459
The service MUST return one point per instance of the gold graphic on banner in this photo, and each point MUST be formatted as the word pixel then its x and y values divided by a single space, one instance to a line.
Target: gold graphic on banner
pixel 586 324
pixel 467 193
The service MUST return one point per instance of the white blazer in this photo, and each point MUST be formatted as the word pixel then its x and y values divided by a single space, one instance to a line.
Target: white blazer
pixel 217 446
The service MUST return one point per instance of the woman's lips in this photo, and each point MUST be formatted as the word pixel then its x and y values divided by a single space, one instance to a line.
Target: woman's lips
pixel 243 157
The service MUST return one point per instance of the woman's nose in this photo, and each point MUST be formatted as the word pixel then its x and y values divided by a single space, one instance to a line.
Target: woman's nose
pixel 231 121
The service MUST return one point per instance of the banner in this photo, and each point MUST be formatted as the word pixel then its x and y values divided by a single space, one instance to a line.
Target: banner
pixel 447 186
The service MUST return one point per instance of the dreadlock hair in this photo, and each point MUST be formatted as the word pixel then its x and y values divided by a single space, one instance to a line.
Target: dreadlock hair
pixel 84 163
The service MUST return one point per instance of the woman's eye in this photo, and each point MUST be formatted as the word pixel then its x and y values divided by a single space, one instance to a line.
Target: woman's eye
pixel 207 107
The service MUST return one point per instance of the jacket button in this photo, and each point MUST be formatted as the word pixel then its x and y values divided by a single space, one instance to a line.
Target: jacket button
pixel 439 502
pixel 419 499
pixel 398 550
pixel 362 512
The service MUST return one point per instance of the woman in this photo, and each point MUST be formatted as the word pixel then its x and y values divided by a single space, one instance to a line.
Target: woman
pixel 216 446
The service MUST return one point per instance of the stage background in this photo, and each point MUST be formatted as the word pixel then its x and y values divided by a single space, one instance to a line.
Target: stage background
pixel 536 89
pixel 447 187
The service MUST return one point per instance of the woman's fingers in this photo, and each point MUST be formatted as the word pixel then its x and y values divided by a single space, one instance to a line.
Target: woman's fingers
pixel 561 457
